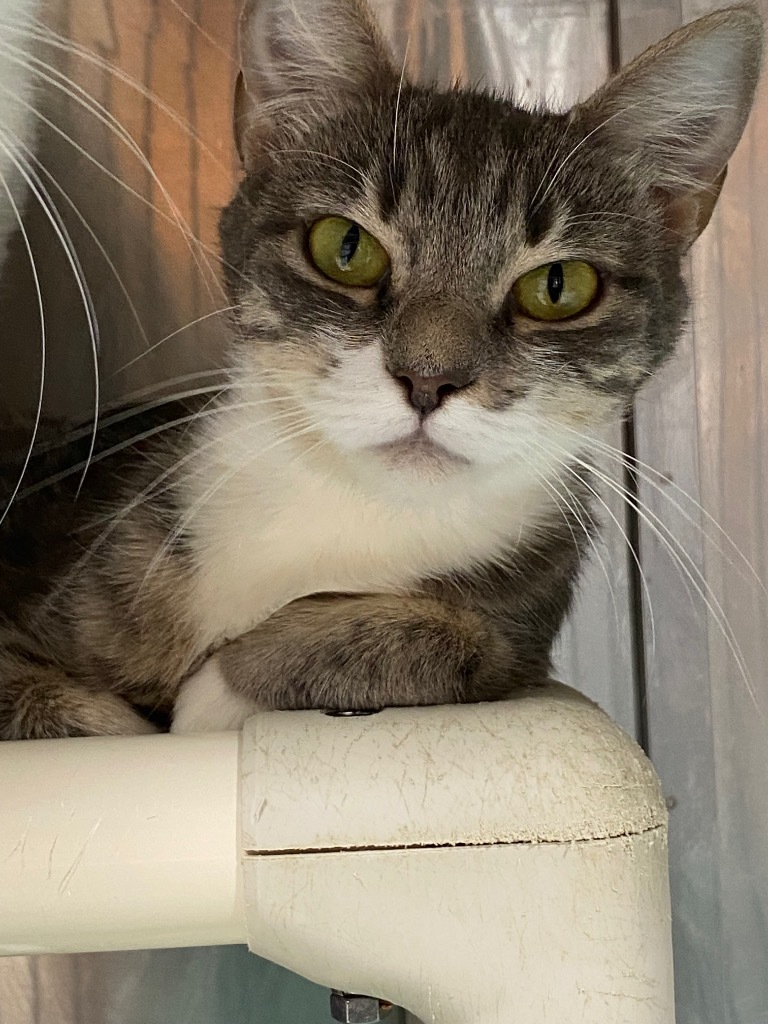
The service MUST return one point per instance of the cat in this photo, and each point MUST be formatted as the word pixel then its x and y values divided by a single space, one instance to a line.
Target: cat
pixel 437 296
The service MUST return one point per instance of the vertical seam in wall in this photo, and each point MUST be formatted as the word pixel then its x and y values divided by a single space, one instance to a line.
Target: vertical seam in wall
pixel 636 610
pixel 630 483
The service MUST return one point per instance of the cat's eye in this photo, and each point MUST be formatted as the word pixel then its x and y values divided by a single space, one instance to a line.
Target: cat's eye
pixel 557 291
pixel 347 253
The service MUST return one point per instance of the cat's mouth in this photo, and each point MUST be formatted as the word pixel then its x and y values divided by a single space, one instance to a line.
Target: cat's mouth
pixel 418 451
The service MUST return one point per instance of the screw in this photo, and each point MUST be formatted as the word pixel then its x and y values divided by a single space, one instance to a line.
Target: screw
pixel 355 1009
pixel 352 714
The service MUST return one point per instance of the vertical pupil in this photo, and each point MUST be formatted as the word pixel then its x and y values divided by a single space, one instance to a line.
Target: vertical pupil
pixel 555 282
pixel 349 244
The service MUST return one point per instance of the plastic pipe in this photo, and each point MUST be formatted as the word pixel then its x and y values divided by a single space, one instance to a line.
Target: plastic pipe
pixel 481 864
pixel 119 843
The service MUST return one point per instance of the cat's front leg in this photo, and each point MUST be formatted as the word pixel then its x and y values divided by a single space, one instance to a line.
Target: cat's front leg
pixel 353 652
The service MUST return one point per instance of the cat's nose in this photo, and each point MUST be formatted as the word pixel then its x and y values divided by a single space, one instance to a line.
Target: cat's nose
pixel 428 393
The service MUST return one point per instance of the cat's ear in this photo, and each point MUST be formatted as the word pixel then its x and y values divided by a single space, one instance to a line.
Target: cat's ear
pixel 679 109
pixel 301 59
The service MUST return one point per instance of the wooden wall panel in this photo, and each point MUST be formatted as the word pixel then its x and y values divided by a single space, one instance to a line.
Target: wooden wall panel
pixel 144 152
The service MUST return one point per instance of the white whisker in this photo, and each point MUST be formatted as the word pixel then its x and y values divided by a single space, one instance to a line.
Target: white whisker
pixel 359 178
pixel 46 35
pixel 136 439
pixel 107 259
pixel 41 313
pixel 78 95
pixel 37 188
pixel 173 334
pixel 634 555
pixel 206 35
pixel 194 510
pixel 570 505
pixel 88 308
pixel 397 112
pixel 684 563
pixel 646 472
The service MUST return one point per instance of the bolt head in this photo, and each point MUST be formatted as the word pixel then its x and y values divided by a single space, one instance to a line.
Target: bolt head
pixel 355 1009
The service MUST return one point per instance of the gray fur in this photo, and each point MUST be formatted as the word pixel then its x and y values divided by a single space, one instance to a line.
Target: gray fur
pixel 100 622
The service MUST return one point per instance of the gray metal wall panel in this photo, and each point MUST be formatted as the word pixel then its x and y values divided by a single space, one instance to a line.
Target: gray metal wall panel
pixel 704 424
pixel 225 985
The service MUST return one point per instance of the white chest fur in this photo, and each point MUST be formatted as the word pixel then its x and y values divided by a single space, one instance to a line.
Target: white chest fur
pixel 284 530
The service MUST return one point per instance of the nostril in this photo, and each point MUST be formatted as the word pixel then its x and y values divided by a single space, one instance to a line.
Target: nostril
pixel 406 382
pixel 426 394
pixel 444 390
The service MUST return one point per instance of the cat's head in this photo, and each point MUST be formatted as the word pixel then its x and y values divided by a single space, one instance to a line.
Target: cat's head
pixel 430 280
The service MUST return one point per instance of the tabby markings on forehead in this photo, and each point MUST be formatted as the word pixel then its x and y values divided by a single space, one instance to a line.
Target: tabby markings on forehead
pixel 554 242
pixel 556 246
pixel 368 213
pixel 538 223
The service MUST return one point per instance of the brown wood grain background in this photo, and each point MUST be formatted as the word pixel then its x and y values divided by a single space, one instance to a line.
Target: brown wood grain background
pixel 144 153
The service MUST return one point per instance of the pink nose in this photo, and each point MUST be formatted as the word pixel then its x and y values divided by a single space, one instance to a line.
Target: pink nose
pixel 428 393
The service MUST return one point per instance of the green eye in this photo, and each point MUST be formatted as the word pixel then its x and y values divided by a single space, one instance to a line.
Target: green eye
pixel 557 291
pixel 346 253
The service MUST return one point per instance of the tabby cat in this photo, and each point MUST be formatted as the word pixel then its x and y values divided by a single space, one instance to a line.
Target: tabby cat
pixel 438 296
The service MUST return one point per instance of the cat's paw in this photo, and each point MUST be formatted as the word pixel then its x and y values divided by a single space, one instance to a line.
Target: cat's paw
pixel 48 705
pixel 207 704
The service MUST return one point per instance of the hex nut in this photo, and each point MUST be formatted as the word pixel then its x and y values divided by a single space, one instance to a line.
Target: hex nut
pixel 356 1009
